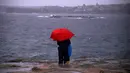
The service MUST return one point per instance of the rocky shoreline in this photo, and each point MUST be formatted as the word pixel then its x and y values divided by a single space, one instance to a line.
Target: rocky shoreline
pixel 76 66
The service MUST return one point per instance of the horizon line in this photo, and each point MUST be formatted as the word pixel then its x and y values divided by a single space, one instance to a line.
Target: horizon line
pixel 60 5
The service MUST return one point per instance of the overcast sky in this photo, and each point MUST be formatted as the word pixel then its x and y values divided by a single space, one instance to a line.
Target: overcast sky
pixel 59 2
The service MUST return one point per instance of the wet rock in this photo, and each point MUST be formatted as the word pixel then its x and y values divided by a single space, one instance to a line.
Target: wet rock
pixel 101 71
pixel 65 72
pixel 126 67
pixel 93 70
pixel 36 69
pixel 8 66
pixel 86 66
pixel 80 66
pixel 16 60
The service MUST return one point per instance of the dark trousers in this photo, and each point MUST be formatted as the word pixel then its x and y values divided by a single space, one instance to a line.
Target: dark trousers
pixel 63 55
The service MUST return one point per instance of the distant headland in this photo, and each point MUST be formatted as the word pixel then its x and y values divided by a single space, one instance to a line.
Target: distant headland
pixel 83 9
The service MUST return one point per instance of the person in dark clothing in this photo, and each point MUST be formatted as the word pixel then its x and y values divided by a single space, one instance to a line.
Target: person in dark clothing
pixel 63 51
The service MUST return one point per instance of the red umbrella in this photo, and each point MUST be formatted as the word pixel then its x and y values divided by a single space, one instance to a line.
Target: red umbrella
pixel 61 34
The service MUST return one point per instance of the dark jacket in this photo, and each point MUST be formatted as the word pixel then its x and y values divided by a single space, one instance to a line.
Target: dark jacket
pixel 63 44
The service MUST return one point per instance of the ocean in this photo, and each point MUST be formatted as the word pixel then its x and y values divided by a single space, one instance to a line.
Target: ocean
pixel 27 36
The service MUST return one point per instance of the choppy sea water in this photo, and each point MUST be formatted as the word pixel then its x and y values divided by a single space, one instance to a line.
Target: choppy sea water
pixel 28 36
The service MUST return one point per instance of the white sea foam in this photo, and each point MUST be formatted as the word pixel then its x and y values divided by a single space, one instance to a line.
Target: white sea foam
pixel 40 16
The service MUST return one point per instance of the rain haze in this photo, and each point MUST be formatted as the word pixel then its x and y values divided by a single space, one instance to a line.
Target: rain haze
pixel 101 42
pixel 59 2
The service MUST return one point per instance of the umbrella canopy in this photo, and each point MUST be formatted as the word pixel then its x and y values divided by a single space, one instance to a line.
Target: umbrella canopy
pixel 61 34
